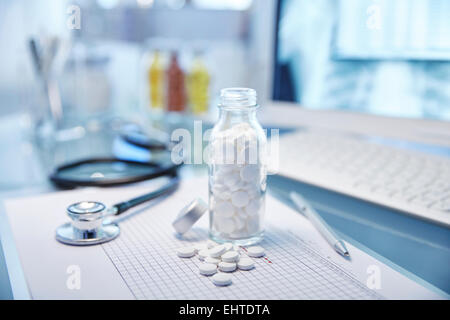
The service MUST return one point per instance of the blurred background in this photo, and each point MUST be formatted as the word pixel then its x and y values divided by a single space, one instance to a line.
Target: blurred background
pixel 74 71
pixel 80 77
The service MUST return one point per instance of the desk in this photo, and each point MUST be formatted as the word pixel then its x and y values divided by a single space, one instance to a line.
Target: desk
pixel 420 248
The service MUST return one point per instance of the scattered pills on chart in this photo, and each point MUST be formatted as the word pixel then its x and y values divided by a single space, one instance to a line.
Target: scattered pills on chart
pixel 245 264
pixel 221 279
pixel 208 269
pixel 230 256
pixel 255 251
pixel 221 257
pixel 186 252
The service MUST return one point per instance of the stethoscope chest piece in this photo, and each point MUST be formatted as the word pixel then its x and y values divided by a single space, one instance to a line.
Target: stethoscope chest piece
pixel 87 226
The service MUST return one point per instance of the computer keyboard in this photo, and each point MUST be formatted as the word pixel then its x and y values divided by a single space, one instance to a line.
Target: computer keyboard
pixel 410 181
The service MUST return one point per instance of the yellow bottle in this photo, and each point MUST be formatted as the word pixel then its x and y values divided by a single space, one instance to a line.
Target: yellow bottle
pixel 198 86
pixel 156 82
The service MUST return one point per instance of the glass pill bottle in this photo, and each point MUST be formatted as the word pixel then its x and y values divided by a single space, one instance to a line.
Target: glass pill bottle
pixel 237 170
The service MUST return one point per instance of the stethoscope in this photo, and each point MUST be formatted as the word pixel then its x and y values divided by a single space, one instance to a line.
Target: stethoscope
pixel 89 224
pixel 90 221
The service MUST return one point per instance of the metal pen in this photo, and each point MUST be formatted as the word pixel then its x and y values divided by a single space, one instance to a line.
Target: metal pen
pixel 321 226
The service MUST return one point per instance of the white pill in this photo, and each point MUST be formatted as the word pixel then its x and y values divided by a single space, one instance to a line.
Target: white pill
pixel 255 251
pixel 235 187
pixel 239 221
pixel 224 209
pixel 230 256
pixel 231 179
pixel 208 269
pixel 212 260
pixel 252 208
pixel 239 199
pixel 224 169
pixel 211 244
pixel 221 279
pixel 249 173
pixel 200 246
pixel 253 192
pixel 227 266
pixel 186 252
pixel 202 254
pixel 224 195
pixel 228 246
pixel 245 264
pixel 217 251
pixel 226 225
pixel 240 212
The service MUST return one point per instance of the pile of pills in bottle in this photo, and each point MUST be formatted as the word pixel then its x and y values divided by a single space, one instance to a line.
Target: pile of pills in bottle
pixel 236 189
pixel 219 260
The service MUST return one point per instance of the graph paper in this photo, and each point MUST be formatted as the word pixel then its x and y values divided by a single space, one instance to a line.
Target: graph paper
pixel 145 256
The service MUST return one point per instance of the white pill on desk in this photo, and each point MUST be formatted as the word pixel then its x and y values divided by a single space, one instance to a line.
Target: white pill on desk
pixel 255 251
pixel 230 256
pixel 224 209
pixel 186 252
pixel 211 244
pixel 207 269
pixel 239 198
pixel 217 251
pixel 212 260
pixel 221 279
pixel 228 246
pixel 202 254
pixel 227 266
pixel 245 264
pixel 249 173
pixel 200 246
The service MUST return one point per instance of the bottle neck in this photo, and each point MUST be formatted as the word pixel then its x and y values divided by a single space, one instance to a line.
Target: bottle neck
pixel 237 115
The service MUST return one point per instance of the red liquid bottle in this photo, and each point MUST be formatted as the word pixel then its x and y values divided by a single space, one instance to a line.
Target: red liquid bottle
pixel 176 92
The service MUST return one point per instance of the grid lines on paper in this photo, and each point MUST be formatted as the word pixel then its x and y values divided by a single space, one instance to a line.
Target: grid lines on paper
pixel 145 256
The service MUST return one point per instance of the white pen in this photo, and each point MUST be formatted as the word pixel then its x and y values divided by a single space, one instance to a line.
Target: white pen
pixel 321 226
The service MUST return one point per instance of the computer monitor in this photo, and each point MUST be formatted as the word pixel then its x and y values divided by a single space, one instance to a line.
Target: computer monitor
pixel 376 57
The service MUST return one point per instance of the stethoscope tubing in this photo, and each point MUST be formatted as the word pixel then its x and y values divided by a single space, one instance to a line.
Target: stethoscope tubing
pixel 56 178
pixel 125 205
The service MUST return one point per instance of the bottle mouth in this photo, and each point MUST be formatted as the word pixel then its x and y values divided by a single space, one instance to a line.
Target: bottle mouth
pixel 235 98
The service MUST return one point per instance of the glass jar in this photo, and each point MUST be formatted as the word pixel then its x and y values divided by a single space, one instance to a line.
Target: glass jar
pixel 237 170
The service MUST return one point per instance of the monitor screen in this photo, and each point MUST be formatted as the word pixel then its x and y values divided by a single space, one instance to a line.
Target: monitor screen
pixel 384 57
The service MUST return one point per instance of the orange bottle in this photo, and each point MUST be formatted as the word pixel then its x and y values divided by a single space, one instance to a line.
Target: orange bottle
pixel 176 92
